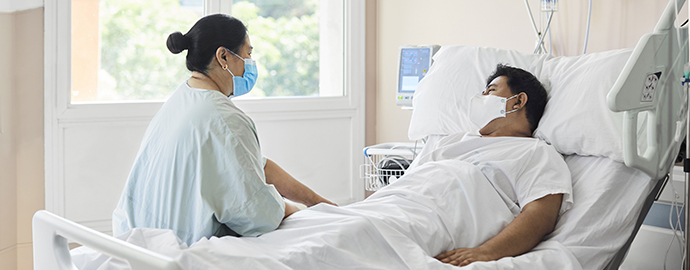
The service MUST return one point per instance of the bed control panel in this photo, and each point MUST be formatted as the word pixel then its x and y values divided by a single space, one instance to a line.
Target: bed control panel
pixel 650 86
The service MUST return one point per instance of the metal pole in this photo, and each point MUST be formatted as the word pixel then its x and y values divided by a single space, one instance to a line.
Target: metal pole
pixel 534 25
pixel 686 203
pixel 686 169
pixel 548 25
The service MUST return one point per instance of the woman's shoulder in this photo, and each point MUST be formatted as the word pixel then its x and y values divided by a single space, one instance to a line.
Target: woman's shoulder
pixel 209 106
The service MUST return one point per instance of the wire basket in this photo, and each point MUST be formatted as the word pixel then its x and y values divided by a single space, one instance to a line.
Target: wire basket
pixel 386 163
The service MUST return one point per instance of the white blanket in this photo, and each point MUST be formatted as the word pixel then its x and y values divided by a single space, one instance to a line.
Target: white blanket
pixel 436 207
pixel 394 228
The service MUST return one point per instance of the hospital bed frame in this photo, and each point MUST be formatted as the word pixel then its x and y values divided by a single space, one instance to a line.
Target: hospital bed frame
pixel 659 51
pixel 665 51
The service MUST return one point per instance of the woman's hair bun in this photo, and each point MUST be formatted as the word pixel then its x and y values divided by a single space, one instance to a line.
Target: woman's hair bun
pixel 177 42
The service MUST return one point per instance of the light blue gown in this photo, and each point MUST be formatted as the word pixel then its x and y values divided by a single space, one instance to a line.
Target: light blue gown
pixel 199 172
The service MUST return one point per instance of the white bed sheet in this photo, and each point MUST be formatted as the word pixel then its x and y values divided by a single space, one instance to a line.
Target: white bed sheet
pixel 607 200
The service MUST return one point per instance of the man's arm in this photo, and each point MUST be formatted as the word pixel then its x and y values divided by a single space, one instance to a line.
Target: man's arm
pixel 537 219
pixel 289 187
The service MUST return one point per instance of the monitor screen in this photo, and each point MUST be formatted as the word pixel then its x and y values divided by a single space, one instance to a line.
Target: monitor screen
pixel 414 64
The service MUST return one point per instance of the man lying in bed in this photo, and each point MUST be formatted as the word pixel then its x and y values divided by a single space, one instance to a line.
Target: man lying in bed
pixel 529 175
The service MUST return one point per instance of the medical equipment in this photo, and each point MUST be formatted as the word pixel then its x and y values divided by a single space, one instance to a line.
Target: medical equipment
pixel 414 62
pixel 589 20
pixel 611 199
pixel 548 7
pixel 387 162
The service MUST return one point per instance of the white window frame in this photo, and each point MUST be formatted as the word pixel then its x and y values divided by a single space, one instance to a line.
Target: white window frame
pixel 58 109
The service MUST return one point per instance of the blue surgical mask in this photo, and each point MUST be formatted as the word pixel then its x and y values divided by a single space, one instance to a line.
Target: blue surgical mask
pixel 244 84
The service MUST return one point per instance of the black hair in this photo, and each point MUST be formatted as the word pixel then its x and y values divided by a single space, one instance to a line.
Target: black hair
pixel 204 38
pixel 520 81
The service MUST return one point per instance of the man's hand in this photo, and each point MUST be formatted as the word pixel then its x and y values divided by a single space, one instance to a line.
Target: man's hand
pixel 537 219
pixel 465 256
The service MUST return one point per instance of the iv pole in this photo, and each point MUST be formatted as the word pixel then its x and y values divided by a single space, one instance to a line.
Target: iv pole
pixel 540 36
pixel 686 169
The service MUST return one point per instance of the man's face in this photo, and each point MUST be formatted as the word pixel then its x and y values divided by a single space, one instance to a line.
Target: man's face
pixel 498 87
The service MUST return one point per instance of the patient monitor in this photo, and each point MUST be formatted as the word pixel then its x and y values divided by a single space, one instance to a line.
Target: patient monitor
pixel 414 62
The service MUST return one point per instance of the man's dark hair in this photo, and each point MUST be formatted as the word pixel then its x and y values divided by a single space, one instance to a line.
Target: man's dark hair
pixel 519 81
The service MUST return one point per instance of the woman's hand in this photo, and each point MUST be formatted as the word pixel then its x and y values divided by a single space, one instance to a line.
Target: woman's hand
pixel 318 199
pixel 290 209
pixel 289 187
pixel 465 256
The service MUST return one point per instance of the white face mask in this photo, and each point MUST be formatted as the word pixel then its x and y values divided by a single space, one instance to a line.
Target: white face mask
pixel 485 108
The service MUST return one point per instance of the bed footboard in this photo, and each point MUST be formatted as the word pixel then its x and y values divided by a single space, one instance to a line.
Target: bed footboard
pixel 50 234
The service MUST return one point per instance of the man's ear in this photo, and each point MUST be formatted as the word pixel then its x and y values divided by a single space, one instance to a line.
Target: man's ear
pixel 521 100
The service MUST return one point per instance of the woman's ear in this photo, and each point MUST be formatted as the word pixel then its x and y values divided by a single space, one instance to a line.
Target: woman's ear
pixel 221 57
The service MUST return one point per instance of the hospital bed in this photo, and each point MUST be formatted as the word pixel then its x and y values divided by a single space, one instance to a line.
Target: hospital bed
pixel 617 117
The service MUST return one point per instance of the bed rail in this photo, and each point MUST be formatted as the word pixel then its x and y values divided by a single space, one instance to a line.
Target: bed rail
pixel 650 82
pixel 618 258
pixel 50 234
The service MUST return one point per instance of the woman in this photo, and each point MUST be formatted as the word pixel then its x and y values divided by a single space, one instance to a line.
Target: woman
pixel 200 171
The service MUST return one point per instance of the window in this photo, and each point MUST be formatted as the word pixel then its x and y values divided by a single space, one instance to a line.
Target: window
pixel 298 46
pixel 119 52
pixel 90 143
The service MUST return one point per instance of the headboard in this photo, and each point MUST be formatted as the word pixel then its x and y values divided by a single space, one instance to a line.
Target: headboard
pixel 650 82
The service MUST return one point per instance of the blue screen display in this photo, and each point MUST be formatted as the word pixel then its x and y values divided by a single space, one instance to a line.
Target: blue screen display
pixel 414 64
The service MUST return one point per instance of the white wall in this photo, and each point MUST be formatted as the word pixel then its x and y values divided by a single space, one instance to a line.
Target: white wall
pixel 21 133
pixel 19 5
pixel 615 24
pixel 8 182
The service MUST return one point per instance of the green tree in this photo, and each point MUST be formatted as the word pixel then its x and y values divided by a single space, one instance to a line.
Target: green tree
pixel 135 62
pixel 284 8
pixel 286 49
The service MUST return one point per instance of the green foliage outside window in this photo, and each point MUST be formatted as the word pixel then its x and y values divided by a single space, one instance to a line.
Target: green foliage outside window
pixel 135 62
pixel 136 65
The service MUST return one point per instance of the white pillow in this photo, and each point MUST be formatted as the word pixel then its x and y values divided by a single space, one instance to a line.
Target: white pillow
pixel 576 119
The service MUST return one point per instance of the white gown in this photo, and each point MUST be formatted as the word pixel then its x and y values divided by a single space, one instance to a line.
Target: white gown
pixel 199 171
pixel 520 169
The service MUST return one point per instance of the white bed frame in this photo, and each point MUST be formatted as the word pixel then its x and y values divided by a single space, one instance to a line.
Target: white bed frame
pixel 666 51
pixel 50 234
pixel 656 52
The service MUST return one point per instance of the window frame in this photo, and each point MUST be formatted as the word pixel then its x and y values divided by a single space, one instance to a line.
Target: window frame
pixel 58 70
pixel 59 112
